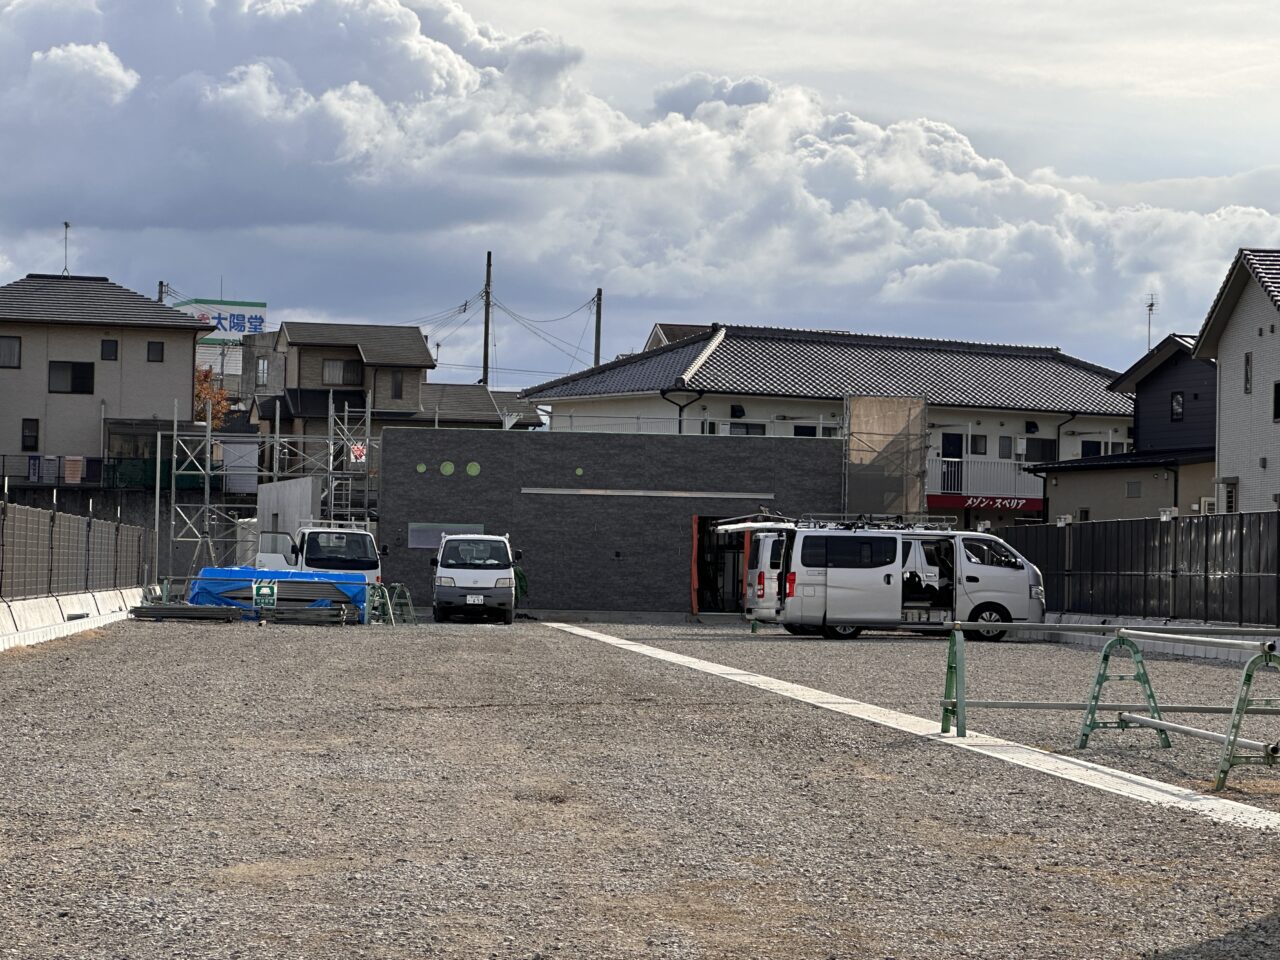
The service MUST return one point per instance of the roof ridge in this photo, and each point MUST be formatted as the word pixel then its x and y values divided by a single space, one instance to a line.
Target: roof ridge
pixel 617 362
pixel 799 333
pixel 717 338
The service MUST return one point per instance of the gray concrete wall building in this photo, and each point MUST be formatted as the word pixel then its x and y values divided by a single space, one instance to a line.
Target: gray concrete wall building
pixel 606 521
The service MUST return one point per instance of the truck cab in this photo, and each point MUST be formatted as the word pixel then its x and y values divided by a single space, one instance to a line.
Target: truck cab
pixel 475 576
pixel 322 547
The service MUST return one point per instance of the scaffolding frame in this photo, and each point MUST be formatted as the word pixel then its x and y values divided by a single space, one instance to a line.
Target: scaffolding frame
pixel 347 456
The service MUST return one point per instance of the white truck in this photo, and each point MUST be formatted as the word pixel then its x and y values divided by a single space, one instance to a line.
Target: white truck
pixel 475 576
pixel 322 546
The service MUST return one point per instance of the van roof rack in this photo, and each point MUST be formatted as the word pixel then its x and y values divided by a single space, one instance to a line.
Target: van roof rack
pixel 878 521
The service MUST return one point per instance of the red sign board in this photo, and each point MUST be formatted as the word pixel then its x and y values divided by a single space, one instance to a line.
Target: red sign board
pixel 963 501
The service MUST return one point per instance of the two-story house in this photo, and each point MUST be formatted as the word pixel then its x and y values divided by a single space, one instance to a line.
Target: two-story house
pixel 950 422
pixel 78 354
pixel 295 374
pixel 1240 333
pixel 1171 464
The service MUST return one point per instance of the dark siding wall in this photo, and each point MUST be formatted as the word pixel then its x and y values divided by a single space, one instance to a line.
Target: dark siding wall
pixel 570 541
pixel 1198 382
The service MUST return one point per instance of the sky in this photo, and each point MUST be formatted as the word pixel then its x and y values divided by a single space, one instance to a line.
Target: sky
pixel 1004 171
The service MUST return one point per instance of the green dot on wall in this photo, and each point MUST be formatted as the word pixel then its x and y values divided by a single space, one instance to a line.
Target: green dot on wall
pixel 421 468
pixel 447 468
pixel 473 469
pixel 578 472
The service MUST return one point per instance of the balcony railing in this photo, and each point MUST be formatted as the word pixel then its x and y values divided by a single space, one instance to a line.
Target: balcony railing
pixel 976 477
pixel 785 426
pixel 103 473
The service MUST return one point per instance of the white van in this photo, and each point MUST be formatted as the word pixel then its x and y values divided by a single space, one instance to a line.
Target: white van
pixel 841 578
pixel 764 560
pixel 475 575
pixel 325 547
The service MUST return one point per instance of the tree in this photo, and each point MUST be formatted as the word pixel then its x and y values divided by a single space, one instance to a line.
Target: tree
pixel 207 390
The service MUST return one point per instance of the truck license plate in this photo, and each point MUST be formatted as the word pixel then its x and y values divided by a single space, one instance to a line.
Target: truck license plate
pixel 474 598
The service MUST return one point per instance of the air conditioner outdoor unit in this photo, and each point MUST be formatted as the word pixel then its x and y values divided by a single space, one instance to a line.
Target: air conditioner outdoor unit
pixel 1168 513
pixel 1208 505
pixel 1063 519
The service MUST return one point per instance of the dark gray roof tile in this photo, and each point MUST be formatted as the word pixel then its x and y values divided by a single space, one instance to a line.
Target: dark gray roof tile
pixel 379 344
pixel 53 298
pixel 830 365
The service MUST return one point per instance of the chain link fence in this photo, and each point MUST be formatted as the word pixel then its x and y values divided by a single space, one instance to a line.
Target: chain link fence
pixel 43 553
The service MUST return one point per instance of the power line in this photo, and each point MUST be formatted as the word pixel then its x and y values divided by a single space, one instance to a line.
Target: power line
pixel 519 316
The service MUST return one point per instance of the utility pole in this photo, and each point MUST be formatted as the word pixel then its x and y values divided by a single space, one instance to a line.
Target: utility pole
pixel 488 298
pixel 599 304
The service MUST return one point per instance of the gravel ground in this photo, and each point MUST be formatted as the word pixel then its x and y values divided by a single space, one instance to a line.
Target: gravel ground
pixel 907 672
pixel 476 791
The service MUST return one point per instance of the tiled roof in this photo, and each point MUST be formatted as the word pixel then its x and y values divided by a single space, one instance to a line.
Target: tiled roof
pixel 474 403
pixel 379 345
pixel 829 365
pixel 673 332
pixel 1263 267
pixel 53 298
pixel 1119 461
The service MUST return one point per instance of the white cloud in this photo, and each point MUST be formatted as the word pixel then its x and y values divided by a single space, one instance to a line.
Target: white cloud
pixel 356 158
pixel 78 73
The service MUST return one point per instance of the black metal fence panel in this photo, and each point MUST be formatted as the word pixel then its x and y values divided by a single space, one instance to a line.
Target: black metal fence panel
pixel 1223 568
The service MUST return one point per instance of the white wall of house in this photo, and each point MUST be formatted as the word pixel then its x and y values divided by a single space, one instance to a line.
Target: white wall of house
pixel 1247 431
pixel 652 414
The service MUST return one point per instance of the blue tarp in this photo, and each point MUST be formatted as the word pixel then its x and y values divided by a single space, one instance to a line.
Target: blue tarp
pixel 214 584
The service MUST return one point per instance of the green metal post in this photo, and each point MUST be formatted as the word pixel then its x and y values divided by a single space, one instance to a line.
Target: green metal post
pixel 953 691
pixel 1091 722
pixel 1228 758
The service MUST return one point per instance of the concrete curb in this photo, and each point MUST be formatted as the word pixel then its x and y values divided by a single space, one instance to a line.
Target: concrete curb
pixel 24 623
pixel 1096 642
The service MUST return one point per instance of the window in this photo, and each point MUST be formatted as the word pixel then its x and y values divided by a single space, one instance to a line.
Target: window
pixel 709 427
pixel 1006 448
pixel 1175 405
pixel 1229 498
pixel 70 377
pixel 740 429
pixel 990 553
pixel 10 351
pixel 803 430
pixel 1275 401
pixel 1133 489
pixel 1083 514
pixel 30 435
pixel 1248 372
pixel 978 444
pixel 1039 450
pixel 155 351
pixel 831 431
pixel 397 384
pixel 342 373
pixel 1119 446
pixel 424 374
pixel 110 350
pixel 846 553
pixel 1090 448
pixel 264 367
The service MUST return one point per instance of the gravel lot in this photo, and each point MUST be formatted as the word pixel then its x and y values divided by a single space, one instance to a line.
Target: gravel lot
pixel 476 791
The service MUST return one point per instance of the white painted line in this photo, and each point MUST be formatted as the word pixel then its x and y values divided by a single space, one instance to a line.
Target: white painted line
pixel 1066 768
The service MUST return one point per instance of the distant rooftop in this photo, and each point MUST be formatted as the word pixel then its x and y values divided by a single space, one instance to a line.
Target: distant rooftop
pixel 54 298
pixel 830 365
pixel 380 345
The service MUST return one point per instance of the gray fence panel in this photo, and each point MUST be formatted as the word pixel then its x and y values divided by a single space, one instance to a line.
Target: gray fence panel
pixel 41 553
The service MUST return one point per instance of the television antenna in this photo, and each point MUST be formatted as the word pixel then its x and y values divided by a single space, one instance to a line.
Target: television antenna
pixel 66 261
pixel 1152 304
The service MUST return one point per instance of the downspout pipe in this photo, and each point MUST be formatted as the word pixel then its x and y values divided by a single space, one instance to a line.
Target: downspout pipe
pixel 679 387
